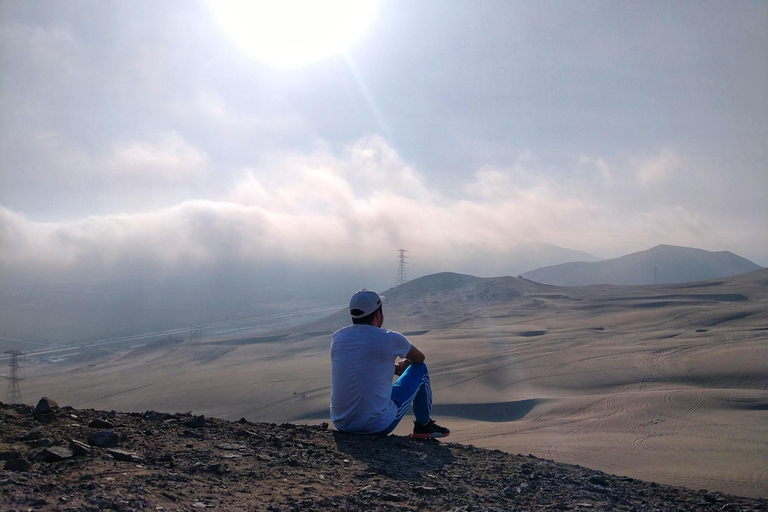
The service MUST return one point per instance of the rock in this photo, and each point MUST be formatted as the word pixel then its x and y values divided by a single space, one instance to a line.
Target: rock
pixel 103 439
pixel 217 469
pixel 45 405
pixel 16 465
pixel 427 491
pixel 12 455
pixel 40 443
pixel 599 480
pixel 509 492
pixel 230 446
pixel 99 423
pixel 197 421
pixel 54 454
pixel 32 435
pixel 78 448
pixel 157 416
pixel 194 434
pixel 124 455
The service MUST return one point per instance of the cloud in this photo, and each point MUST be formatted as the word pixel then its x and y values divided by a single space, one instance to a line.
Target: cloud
pixel 591 167
pixel 656 169
pixel 51 170
pixel 163 159
pixel 167 159
pixel 351 209
pixel 52 50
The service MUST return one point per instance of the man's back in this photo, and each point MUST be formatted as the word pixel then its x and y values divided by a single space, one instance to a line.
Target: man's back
pixel 362 359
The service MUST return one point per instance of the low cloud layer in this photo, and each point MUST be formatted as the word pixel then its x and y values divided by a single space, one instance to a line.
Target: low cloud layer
pixel 353 209
pixel 138 140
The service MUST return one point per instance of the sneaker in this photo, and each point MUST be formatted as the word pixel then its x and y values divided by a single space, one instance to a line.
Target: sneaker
pixel 429 430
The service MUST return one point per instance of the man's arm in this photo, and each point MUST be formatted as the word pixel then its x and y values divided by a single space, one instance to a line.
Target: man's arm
pixel 414 356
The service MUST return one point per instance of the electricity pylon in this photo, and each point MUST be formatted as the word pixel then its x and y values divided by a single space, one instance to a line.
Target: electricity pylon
pixel 401 278
pixel 14 394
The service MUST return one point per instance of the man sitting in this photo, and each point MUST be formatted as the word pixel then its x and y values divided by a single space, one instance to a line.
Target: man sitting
pixel 363 398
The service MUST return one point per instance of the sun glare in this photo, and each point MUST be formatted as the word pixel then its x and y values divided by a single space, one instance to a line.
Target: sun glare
pixel 293 32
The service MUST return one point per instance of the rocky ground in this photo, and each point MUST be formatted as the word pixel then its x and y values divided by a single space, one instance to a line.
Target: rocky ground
pixel 62 459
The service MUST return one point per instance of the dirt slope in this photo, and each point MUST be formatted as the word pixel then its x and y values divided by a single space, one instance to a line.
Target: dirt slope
pixel 155 461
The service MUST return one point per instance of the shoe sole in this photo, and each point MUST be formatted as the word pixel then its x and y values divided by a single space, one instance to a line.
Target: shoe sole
pixel 433 435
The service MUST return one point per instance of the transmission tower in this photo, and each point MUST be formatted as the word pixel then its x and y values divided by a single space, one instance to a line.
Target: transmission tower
pixel 14 394
pixel 401 278
pixel 195 333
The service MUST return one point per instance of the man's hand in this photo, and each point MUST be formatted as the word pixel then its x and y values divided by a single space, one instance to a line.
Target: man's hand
pixel 401 365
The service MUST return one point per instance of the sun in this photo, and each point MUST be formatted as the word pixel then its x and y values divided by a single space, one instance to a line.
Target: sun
pixel 289 33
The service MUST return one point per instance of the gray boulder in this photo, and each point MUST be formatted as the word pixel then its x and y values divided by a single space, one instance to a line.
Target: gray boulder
pixel 54 454
pixel 103 439
pixel 45 406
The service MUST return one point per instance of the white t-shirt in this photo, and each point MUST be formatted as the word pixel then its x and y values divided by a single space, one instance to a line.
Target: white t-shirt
pixel 362 367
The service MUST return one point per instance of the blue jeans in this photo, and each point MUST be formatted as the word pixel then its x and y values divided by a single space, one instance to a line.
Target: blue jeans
pixel 411 388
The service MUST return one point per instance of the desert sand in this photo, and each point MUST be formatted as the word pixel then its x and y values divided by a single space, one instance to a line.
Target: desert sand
pixel 664 383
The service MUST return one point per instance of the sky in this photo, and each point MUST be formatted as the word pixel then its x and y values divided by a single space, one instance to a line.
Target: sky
pixel 143 139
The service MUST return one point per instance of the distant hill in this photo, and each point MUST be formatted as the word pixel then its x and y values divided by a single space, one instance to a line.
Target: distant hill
pixel 662 264
pixel 537 255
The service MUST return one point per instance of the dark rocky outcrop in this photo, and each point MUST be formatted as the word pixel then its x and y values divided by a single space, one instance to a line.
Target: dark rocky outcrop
pixel 223 465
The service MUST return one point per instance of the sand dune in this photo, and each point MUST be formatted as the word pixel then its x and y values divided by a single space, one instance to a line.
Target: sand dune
pixel 665 383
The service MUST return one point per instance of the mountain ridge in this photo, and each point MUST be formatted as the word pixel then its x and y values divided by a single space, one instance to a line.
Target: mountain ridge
pixel 662 264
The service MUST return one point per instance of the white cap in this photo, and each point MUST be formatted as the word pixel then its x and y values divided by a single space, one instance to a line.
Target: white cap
pixel 365 302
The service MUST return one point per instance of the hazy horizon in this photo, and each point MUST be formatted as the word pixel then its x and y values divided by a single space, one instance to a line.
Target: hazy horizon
pixel 142 141
pixel 233 300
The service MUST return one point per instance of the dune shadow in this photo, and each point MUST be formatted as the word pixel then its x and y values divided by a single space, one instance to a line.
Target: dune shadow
pixel 744 404
pixel 494 412
pixel 400 458
pixel 416 333
pixel 729 317
pixel 531 334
